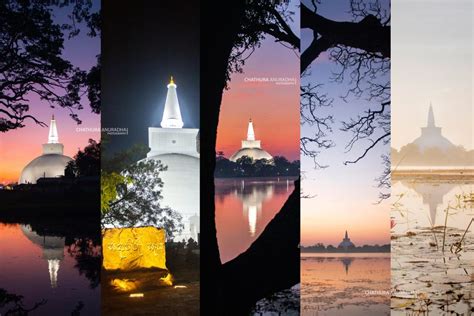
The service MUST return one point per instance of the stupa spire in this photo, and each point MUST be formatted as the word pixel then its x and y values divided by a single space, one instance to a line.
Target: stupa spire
pixel 53 137
pixel 431 120
pixel 346 237
pixel 172 113
pixel 250 131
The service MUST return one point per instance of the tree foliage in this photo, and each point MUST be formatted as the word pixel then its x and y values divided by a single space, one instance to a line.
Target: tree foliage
pixel 131 192
pixel 412 155
pixel 33 65
pixel 247 167
pixel 86 162
pixel 360 49
pixel 260 19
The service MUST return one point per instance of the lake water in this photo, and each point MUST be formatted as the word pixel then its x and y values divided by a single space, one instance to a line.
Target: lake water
pixel 432 253
pixel 345 284
pixel 57 271
pixel 244 207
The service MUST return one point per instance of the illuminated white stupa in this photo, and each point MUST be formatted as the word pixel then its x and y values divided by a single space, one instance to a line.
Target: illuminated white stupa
pixel 431 136
pixel 178 149
pixel 51 163
pixel 251 147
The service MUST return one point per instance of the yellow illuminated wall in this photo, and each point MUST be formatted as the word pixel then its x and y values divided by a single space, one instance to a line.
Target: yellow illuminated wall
pixel 128 249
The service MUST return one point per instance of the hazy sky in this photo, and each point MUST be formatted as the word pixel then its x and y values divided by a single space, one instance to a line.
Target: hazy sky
pixel 345 196
pixel 20 146
pixel 432 47
pixel 273 108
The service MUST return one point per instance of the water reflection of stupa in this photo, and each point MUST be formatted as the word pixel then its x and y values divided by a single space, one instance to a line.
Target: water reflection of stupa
pixel 53 251
pixel 346 262
pixel 252 197
pixel 432 195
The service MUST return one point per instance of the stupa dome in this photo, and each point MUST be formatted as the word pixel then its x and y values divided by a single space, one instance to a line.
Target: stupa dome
pixel 254 153
pixel 431 136
pixel 251 147
pixel 346 242
pixel 44 166
pixel 50 164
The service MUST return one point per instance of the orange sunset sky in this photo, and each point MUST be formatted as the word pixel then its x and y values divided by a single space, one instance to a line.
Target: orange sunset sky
pixel 18 147
pixel 274 108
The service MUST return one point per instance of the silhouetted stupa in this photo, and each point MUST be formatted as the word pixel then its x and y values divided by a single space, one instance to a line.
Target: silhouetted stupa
pixel 346 243
pixel 431 136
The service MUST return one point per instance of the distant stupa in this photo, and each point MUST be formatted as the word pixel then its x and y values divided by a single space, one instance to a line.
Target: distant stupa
pixel 51 163
pixel 346 243
pixel 431 136
pixel 251 147
pixel 178 149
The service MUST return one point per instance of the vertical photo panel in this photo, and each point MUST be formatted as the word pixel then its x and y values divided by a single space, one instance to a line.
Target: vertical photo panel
pixel 250 171
pixel 50 245
pixel 345 148
pixel 432 158
pixel 150 162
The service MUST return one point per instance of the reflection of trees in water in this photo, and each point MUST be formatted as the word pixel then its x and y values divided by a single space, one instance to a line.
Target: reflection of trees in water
pixel 84 249
pixel 87 253
pixel 16 304
pixel 346 262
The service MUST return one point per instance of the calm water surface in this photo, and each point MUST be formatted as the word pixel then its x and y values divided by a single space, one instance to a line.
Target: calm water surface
pixel 244 207
pixel 345 284
pixel 430 274
pixel 58 272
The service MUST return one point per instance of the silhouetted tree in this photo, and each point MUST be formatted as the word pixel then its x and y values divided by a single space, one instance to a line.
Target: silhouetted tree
pixel 15 305
pixel 361 49
pixel 87 253
pixel 247 167
pixel 86 162
pixel 32 63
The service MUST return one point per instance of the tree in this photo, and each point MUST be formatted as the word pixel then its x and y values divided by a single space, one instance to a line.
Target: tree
pixel 14 304
pixel 131 192
pixel 31 46
pixel 87 253
pixel 86 162
pixel 361 49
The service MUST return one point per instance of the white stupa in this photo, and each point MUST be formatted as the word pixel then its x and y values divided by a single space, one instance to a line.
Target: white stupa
pixel 178 149
pixel 51 163
pixel 251 147
pixel 346 243
pixel 431 136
